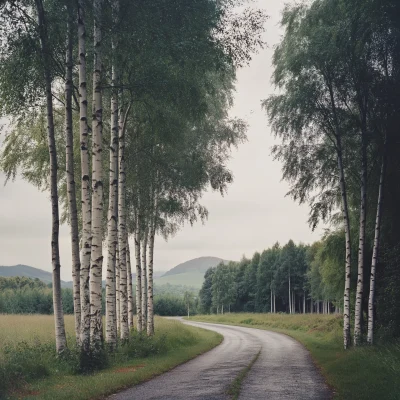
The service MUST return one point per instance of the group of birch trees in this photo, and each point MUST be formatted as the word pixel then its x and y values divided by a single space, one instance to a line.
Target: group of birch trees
pixel 159 77
pixel 338 71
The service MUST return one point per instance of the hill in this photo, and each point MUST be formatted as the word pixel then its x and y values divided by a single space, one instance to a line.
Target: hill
pixel 189 273
pixel 30 272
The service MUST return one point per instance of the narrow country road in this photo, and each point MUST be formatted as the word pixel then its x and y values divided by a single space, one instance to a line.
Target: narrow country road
pixel 284 370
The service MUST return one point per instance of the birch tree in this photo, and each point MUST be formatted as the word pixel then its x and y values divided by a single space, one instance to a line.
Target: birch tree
pixel 61 342
pixel 112 227
pixel 96 260
pixel 85 184
pixel 73 211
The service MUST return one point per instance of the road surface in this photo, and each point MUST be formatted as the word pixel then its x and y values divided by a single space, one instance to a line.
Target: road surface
pixel 284 370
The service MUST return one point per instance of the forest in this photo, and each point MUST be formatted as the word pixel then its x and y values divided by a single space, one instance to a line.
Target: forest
pixel 336 118
pixel 119 110
pixel 336 121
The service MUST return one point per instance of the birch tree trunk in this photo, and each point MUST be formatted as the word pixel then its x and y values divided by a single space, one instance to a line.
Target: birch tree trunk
pixel 346 221
pixel 150 304
pixel 96 261
pixel 274 303
pixel 112 227
pixel 304 303
pixel 61 342
pixel 130 295
pixel 138 276
pixel 361 244
pixel 290 297
pixel 117 290
pixel 144 279
pixel 122 233
pixel 71 192
pixel 375 252
pixel 85 184
pixel 272 310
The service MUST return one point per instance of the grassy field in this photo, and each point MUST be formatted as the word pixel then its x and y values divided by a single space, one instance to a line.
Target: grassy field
pixel 29 369
pixel 365 373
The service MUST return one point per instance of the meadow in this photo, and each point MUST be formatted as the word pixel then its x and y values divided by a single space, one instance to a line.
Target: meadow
pixel 29 368
pixel 363 373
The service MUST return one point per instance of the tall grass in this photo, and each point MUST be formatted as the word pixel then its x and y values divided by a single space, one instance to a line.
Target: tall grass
pixel 28 359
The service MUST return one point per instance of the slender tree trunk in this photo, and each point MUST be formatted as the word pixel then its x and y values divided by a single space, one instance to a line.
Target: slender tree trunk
pixel 304 303
pixel 346 220
pixel 361 245
pixel 122 232
pixel 290 297
pixel 96 261
pixel 150 305
pixel 117 291
pixel 69 149
pixel 61 342
pixel 112 225
pixel 130 295
pixel 375 252
pixel 274 303
pixel 272 310
pixel 85 184
pixel 138 276
pixel 144 279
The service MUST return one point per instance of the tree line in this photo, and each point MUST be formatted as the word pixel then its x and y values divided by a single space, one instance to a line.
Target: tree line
pixel 21 295
pixel 336 116
pixel 290 279
pixel 136 162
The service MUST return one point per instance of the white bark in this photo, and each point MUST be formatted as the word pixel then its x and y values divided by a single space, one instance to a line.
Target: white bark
pixel 150 304
pixel 96 261
pixel 144 279
pixel 85 184
pixel 304 303
pixel 138 276
pixel 112 227
pixel 361 245
pixel 71 192
pixel 346 220
pixel 61 342
pixel 375 252
pixel 272 310
pixel 122 232
pixel 130 295
pixel 290 297
pixel 117 290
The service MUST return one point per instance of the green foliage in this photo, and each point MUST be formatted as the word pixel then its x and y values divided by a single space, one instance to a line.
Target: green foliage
pixel 20 295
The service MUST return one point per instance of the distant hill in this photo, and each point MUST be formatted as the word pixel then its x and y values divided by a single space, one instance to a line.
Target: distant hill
pixel 189 273
pixel 30 272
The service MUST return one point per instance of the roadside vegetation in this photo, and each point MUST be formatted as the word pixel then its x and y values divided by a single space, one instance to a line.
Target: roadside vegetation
pixel 362 373
pixel 29 367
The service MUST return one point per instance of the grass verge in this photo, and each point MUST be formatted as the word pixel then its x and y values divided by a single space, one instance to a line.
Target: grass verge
pixel 234 388
pixel 364 373
pixel 33 372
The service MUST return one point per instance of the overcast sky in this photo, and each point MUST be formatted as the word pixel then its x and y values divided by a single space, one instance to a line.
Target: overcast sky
pixel 251 217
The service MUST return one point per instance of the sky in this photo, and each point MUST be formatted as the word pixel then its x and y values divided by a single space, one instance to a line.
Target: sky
pixel 252 216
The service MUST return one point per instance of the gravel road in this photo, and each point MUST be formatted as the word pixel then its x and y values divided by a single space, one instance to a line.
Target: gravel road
pixel 284 370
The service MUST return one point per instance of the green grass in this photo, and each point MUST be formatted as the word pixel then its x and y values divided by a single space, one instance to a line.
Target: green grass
pixel 234 388
pixel 364 373
pixel 33 372
pixel 194 279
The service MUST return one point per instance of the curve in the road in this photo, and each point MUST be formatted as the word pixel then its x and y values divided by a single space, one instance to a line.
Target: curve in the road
pixel 284 370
